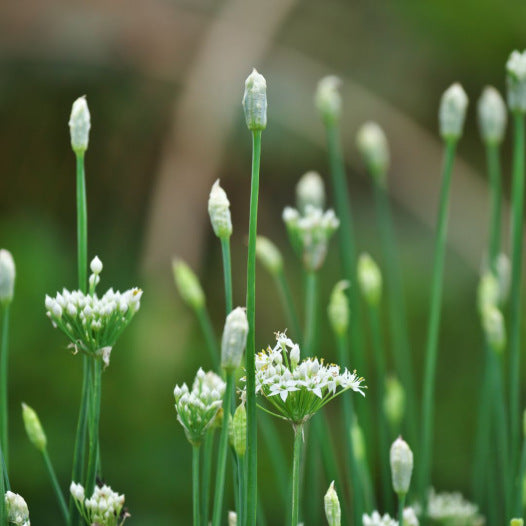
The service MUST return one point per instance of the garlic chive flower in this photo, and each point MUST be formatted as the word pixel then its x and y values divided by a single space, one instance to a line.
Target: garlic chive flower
pixel 219 212
pixel 372 144
pixel 452 112
pixel 516 81
pixel 369 279
pixel 269 255
pixel 375 519
pixel 104 508
pixel 328 99
pixel 79 125
pixel 310 233
pixel 401 459
pixel 410 518
pixel 255 101
pixel 332 507
pixel 297 390
pixel 33 427
pixel 338 309
pixel 93 324
pixel 234 339
pixel 197 409
pixel 310 190
pixel 188 285
pixel 492 115
pixel 17 511
pixel 7 277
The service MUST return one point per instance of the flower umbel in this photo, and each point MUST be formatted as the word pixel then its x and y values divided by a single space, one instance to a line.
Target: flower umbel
pixel 17 511
pixel 375 519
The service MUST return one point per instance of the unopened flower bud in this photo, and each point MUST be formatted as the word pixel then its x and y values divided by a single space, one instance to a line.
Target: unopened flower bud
pixel 394 402
pixel 503 277
pixel 369 279
pixel 492 116
pixel 494 328
pixel 255 101
pixel 188 285
pixel 34 429
pixel 96 265
pixel 452 112
pixel 488 292
pixel 269 255
pixel 7 277
pixel 516 81
pixel 79 125
pixel 401 458
pixel 219 212
pixel 239 431
pixel 358 441
pixel 328 99
pixel 16 507
pixel 234 339
pixel 332 507
pixel 232 518
pixel 310 191
pixel 372 144
pixel 517 522
pixel 338 309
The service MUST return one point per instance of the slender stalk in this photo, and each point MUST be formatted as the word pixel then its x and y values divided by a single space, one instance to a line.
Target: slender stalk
pixel 207 470
pixel 433 327
pixel 311 297
pixel 195 480
pixel 94 425
pixel 82 225
pixel 251 339
pixel 56 486
pixel 494 171
pixel 401 504
pixel 517 504
pixel 3 476
pixel 208 333
pixel 4 353
pixel 241 490
pixel 223 447
pixel 517 196
pixel 288 303
pixel 298 446
pixel 227 272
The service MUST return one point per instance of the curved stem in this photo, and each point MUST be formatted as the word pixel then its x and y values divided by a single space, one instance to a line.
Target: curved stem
pixel 208 333
pixel 298 443
pixel 4 354
pixel 227 273
pixel 195 480
pixel 56 486
pixel 288 303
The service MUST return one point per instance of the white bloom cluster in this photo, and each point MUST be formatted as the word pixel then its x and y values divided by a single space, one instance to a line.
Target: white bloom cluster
pixel 375 519
pixel 93 324
pixel 310 233
pixel 197 409
pixel 104 508
pixel 17 511
pixel 297 390
pixel 451 509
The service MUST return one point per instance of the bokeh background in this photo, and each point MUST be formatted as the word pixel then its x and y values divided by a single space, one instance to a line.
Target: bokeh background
pixel 164 80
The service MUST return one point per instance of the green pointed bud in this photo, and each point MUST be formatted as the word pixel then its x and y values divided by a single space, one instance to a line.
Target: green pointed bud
pixel 219 212
pixel 394 402
pixel 79 125
pixel 232 518
pixel 338 310
pixel 255 101
pixel 488 292
pixel 34 429
pixel 332 507
pixel 188 285
pixel 452 112
pixel 7 277
pixel 493 116
pixel 369 279
pixel 234 339
pixel 268 255
pixel 401 458
pixel 372 144
pixel 239 431
pixel 310 191
pixel 516 81
pixel 494 328
pixel 328 99
pixel 358 441
pixel 503 277
pixel 517 522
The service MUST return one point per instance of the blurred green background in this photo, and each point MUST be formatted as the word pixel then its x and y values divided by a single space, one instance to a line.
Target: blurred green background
pixel 164 81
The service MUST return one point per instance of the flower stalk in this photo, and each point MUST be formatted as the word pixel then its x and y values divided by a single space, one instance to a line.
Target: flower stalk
pixel 196 449
pixel 297 452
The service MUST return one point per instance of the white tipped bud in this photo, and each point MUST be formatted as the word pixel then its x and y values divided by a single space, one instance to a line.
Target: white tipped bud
pixel 269 255
pixel 7 277
pixel 372 144
pixel 328 99
pixel 188 285
pixel 516 81
pixel 79 125
pixel 96 265
pixel 232 518
pixel 492 116
pixel 394 402
pixel 310 191
pixel 338 310
pixel 494 328
pixel 401 458
pixel 369 279
pixel 255 101
pixel 219 212
pixel 332 507
pixel 234 339
pixel 452 112
pixel 34 429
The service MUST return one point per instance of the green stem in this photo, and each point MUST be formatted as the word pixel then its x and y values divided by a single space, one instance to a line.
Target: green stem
pixel 94 425
pixel 288 303
pixel 517 505
pixel 3 477
pixel 251 339
pixel 195 480
pixel 82 225
pixel 227 273
pixel 56 486
pixel 4 352
pixel 208 333
pixel 493 162
pixel 517 196
pixel 241 490
pixel 223 447
pixel 298 443
pixel 433 327
pixel 311 297
pixel 401 504
pixel 207 470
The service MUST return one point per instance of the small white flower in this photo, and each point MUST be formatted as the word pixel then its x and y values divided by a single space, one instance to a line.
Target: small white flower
pixel 375 519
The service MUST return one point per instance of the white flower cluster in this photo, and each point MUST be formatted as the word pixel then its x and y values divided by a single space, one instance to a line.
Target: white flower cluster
pixel 17 511
pixel 104 508
pixel 197 409
pixel 310 233
pixel 452 509
pixel 297 390
pixel 375 519
pixel 93 324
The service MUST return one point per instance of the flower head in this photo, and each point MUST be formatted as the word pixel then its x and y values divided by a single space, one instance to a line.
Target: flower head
pixel 452 112
pixel 516 81
pixel 17 511
pixel 234 339
pixel 219 212
pixel 401 458
pixel 7 277
pixel 255 101
pixel 328 99
pixel 372 143
pixel 79 125
pixel 492 116
pixel 310 190
pixel 375 519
